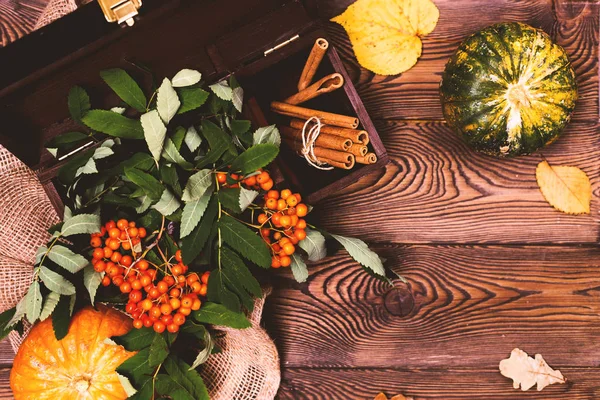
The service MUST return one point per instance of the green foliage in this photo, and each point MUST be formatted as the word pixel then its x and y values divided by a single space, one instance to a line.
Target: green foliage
pixel 136 339
pixel 257 156
pixel 362 254
pixel 192 244
pixel 158 350
pixel 61 317
pixel 78 102
pixel 244 241
pixel 191 98
pixel 218 314
pixel 125 87
pixel 113 124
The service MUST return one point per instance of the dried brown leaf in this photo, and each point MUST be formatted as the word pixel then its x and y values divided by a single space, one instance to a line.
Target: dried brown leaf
pixel 568 189
pixel 527 372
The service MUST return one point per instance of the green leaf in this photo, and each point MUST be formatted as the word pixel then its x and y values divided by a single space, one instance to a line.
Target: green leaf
pixel 314 245
pixel 186 77
pixel 255 157
pixel 197 185
pixel 141 161
pixel 136 339
pixel 125 87
pixel 168 174
pixel 145 204
pixel 33 302
pixel 56 282
pixel 217 141
pixel 167 203
pixel 91 281
pixel 61 318
pixel 67 259
pixel 155 133
pixel 268 134
pixel 191 99
pixel 230 199
pixel 67 172
pixel 158 350
pixel 127 386
pixel 246 197
pixel 167 101
pixel 245 241
pixel 222 90
pixel 88 169
pixel 192 139
pixel 137 368
pixel 219 293
pixel 72 299
pixel 167 387
pixel 113 124
pixel 66 142
pixel 188 381
pixel 236 271
pixel 112 198
pixel 39 254
pixel 205 353
pixel 78 102
pixel 144 392
pixel 171 154
pixel 5 318
pixel 239 126
pixel 192 328
pixel 147 182
pixel 192 214
pixel 118 110
pixel 218 314
pixel 49 305
pixel 82 223
pixel 193 243
pixel 362 254
pixel 299 269
pixel 237 98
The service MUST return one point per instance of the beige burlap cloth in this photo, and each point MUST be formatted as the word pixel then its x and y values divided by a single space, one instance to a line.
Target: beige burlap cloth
pixel 247 368
pixel 54 10
pixel 25 216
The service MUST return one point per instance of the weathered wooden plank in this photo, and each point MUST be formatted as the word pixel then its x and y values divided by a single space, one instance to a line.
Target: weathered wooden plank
pixel 465 307
pixel 447 384
pixel 6 353
pixel 415 93
pixel 437 190
pixel 5 392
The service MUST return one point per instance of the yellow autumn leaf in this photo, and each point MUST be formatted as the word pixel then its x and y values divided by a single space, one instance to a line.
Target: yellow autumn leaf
pixel 527 372
pixel 385 34
pixel 568 189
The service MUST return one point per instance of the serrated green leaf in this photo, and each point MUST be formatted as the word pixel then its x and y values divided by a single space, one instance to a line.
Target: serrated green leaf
pixel 314 245
pixel 237 271
pixel 137 368
pixel 39 254
pixel 193 243
pixel 217 141
pixel 67 172
pixel 142 161
pixel 155 133
pixel 118 110
pixel 219 293
pixel 33 302
pixel 168 174
pixel 82 223
pixel 78 102
pixel 222 90
pixel 218 314
pixel 102 152
pixel 245 241
pixel 19 313
pixel 126 384
pixel 237 98
pixel 65 258
pixel 49 305
pixel 145 203
pixel 178 136
pixel 188 381
pixel 92 280
pixel 167 387
pixel 255 157
pixel 72 299
pixel 167 101
pixel 192 139
pixel 147 182
pixel 88 168
pixel 230 199
pixel 186 77
pixel 5 318
pixel 360 252
pixel 299 269
pixel 136 339
pixel 61 318
pixel 191 99
pixel 167 204
pixel 125 87
pixel 268 134
pixel 56 282
pixel 192 214
pixel 205 353
pixel 246 197
pixel 158 350
pixel 66 142
pixel 171 154
pixel 197 185
pixel 113 124
pixel 239 126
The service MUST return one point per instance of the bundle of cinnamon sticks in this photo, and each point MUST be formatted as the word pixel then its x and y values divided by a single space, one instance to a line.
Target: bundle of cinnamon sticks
pixel 339 141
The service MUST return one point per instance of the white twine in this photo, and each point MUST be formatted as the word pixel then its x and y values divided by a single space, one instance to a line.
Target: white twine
pixel 308 143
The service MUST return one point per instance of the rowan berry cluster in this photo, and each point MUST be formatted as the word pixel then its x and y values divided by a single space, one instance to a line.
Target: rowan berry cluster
pixel 281 224
pixel 260 181
pixel 160 296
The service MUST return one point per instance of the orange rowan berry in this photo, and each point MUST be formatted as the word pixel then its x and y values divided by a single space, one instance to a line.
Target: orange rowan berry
pixel 130 307
pixel 162 287
pixel 204 277
pixel 155 312
pixel 95 241
pixel 159 327
pixel 136 284
pixel 114 244
pixel 142 265
pixel 152 273
pixel 268 185
pixel 142 232
pixel 126 246
pixel 153 293
pixel 177 269
pixel 192 278
pixel 133 231
pixel 125 287
pixel 122 224
pixel 196 305
pixel 221 177
pixel 132 224
pixel 185 311
pixel 292 201
pixel 179 319
pixel 102 231
pixel 196 286
pixel 167 319
pixel 166 309
pixel 173 328
pixel 203 290
pixel 135 240
pixel 277 236
pixel 181 281
pixel 300 234
pixel 276 219
pixel 285 193
pixel 286 221
pixel 123 236
pixel 275 262
pixel 100 266
pixel 110 224
pixel 294 219
pixel 146 304
pixel 291 210
pixel 114 233
pixel 98 253
pixel 298 197
pixel 145 280
pixel 178 255
pixel 175 303
pixel 281 205
pixel 147 321
pixel 108 252
pixel 118 280
pixel 105 281
pixel 301 210
pixel 301 224
pixel 294 240
pixel 251 181
pixel 186 301
pixel 175 292
pixel 265 232
pixel 285 261
pixel 273 194
pixel 276 247
pixel 115 256
pixel 138 324
pixel 126 261
pixel 262 218
pixel 271 204
pixel 169 279
pixel 262 177
pixel 289 249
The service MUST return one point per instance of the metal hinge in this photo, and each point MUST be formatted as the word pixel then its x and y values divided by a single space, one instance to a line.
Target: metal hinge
pixel 120 11
pixel 280 45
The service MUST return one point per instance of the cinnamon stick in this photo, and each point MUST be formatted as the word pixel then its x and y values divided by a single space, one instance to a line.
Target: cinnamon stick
pixel 324 85
pixel 355 135
pixel 321 152
pixel 323 140
pixel 358 150
pixel 312 63
pixel 370 158
pixel 327 118
pixel 347 165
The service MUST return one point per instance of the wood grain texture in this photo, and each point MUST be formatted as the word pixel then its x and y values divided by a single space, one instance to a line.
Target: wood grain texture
pixel 464 307
pixel 5 392
pixel 436 190
pixel 6 353
pixel 450 384
pixel 415 93
pixel 18 17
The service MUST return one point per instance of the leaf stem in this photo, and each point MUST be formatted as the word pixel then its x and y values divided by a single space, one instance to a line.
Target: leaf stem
pixel 37 270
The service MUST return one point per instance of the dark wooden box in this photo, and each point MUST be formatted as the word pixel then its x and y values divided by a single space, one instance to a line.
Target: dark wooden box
pixel 216 37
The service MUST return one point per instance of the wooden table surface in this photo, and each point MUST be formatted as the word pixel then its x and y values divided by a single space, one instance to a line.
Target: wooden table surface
pixel 491 266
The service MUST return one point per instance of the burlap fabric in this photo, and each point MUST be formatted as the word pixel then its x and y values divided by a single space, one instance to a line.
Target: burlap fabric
pixel 25 216
pixel 247 368
pixel 54 10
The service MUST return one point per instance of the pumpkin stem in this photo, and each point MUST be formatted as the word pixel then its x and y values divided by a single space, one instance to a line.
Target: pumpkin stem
pixel 82 384
pixel 518 95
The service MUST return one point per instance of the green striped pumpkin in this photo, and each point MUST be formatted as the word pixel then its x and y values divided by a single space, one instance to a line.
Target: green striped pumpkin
pixel 508 89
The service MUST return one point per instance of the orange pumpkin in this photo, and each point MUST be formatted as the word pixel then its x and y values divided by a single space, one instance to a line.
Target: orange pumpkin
pixel 80 366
